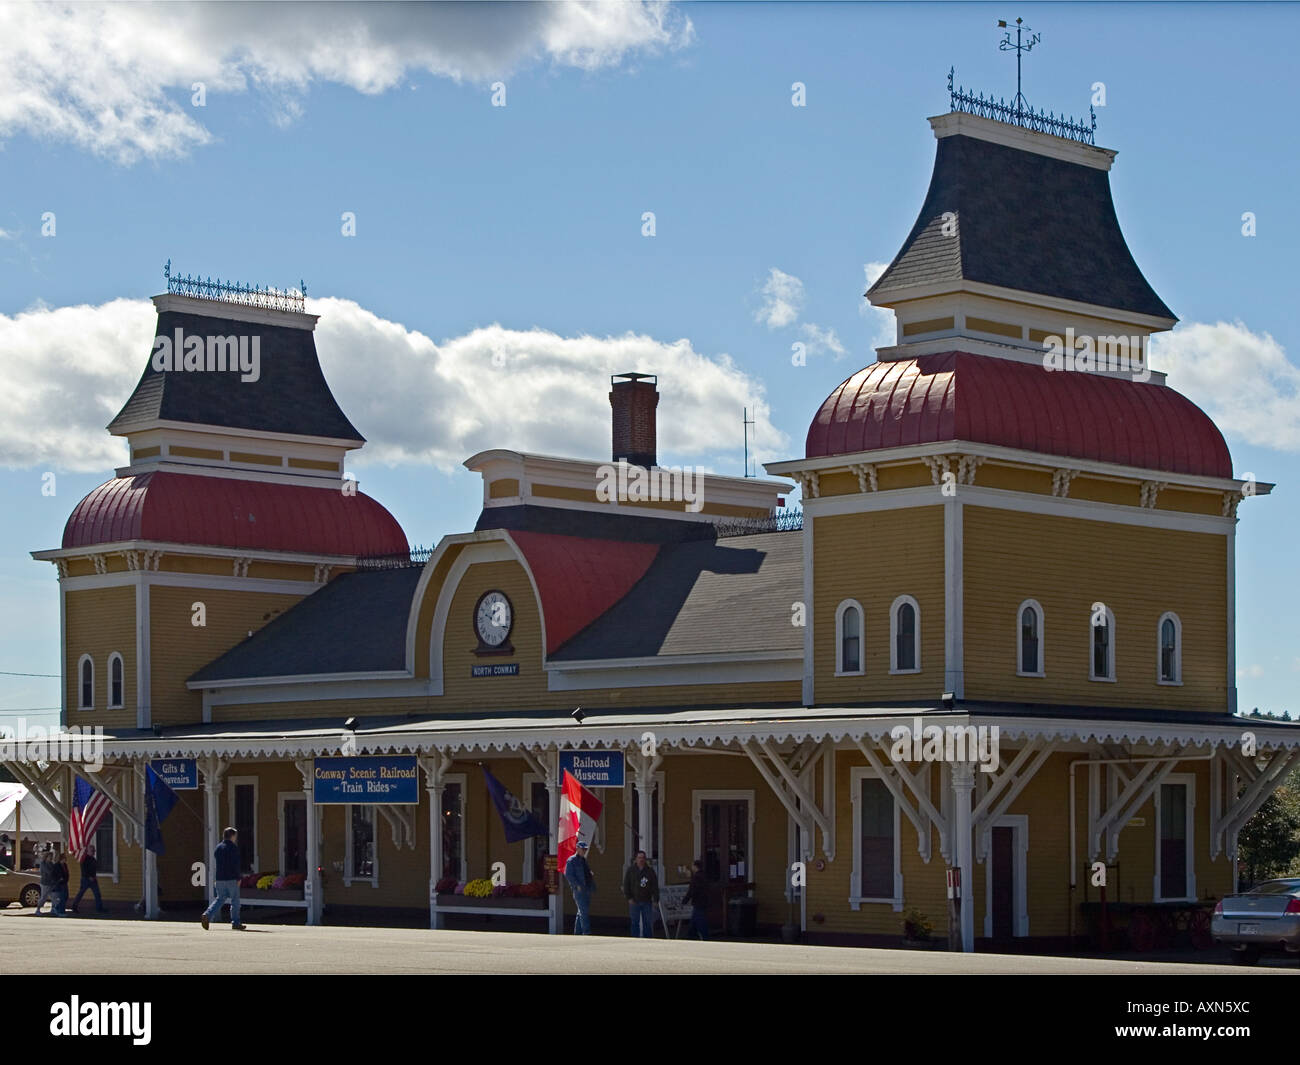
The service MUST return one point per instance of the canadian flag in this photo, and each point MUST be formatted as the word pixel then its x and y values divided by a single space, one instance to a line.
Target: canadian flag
pixel 579 812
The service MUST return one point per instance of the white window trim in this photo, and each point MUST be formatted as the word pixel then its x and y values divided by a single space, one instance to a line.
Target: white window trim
pixel 530 844
pixel 280 799
pixel 1189 780
pixel 1177 682
pixel 231 783
pixel 840 671
pixel 1114 646
pixel 893 633
pixel 109 689
pixel 1037 608
pixel 348 878
pixel 1019 825
pixel 81 688
pixel 698 798
pixel 462 874
pixel 113 876
pixel 856 776
pixel 629 798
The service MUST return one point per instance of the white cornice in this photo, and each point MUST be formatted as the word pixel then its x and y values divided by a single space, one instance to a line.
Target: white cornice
pixel 237 312
pixel 256 555
pixel 959 123
pixel 1030 355
pixel 241 432
pixel 268 475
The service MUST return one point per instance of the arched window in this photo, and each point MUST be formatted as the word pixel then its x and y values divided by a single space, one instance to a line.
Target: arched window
pixel 115 681
pixel 1029 639
pixel 1169 637
pixel 85 683
pixel 1101 658
pixel 848 638
pixel 904 636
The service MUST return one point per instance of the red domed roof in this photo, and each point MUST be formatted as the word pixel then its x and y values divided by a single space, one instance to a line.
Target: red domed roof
pixel 958 396
pixel 228 512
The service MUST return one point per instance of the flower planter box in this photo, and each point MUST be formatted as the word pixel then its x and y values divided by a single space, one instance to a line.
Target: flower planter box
pixel 921 944
pixel 452 902
pixel 253 895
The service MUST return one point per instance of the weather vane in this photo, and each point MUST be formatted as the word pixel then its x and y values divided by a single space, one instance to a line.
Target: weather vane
pixel 1020 47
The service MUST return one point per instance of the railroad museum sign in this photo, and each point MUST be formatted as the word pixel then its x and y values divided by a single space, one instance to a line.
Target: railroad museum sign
pixel 594 769
pixel 392 780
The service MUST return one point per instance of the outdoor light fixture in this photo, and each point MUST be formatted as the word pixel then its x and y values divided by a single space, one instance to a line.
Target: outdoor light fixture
pixel 578 715
pixel 948 699
pixel 350 723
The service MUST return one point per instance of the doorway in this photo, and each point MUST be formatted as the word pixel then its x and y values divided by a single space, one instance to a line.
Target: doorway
pixel 724 837
pixel 1006 914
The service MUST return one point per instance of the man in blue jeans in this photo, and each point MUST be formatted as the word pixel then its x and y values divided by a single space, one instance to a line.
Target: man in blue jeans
pixel 582 882
pixel 641 886
pixel 225 880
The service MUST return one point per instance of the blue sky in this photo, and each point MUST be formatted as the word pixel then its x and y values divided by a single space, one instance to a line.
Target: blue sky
pixel 520 226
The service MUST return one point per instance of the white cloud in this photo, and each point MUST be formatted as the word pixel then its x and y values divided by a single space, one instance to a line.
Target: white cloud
pixel 6 235
pixel 416 400
pixel 821 340
pixel 783 297
pixel 884 333
pixel 1242 379
pixel 1251 672
pixel 116 79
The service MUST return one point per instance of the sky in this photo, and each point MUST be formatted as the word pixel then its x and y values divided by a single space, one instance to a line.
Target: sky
pixel 498 164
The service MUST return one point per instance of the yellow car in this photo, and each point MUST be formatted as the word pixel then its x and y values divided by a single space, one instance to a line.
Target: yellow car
pixel 23 888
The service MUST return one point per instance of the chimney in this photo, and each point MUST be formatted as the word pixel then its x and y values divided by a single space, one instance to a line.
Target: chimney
pixel 634 397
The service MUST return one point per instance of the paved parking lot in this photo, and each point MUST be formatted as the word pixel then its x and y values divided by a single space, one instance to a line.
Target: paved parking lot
pixel 131 946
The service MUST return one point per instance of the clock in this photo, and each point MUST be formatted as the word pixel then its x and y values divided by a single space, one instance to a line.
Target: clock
pixel 494 617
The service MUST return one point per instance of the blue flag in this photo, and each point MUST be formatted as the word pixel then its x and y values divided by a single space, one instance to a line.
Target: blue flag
pixel 159 800
pixel 516 818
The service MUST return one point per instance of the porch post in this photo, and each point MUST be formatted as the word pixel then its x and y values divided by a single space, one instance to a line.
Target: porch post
pixel 555 924
pixel 434 767
pixel 963 784
pixel 213 771
pixel 312 886
pixel 150 859
pixel 645 789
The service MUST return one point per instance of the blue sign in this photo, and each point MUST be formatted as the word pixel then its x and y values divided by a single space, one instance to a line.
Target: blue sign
pixel 387 779
pixel 500 669
pixel 179 774
pixel 594 769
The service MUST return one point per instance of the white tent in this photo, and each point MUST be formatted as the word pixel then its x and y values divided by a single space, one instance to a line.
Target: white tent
pixel 37 824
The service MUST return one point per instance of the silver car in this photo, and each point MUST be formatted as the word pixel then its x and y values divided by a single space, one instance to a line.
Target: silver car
pixel 1265 919
pixel 22 888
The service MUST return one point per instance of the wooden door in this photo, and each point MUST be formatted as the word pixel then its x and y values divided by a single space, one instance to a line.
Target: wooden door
pixel 724 834
pixel 1004 883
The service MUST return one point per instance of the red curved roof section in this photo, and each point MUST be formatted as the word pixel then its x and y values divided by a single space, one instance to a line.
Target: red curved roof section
pixel 226 512
pixel 578 578
pixel 958 396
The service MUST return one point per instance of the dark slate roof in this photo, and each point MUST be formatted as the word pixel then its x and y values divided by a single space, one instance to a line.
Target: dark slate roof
pixel 290 396
pixel 355 624
pixel 727 596
pixel 1025 221
pixel 636 528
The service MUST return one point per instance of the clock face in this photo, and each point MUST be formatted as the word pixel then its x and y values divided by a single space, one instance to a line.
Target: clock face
pixel 493 618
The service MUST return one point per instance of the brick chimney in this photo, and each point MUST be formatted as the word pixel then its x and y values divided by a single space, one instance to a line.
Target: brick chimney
pixel 634 397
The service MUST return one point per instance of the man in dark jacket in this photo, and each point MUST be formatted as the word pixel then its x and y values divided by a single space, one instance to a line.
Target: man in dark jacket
pixel 61 877
pixel 48 881
pixel 698 896
pixel 582 882
pixel 225 880
pixel 89 880
pixel 641 886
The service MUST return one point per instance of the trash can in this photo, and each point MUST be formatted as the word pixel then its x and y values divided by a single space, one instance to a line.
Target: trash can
pixel 742 918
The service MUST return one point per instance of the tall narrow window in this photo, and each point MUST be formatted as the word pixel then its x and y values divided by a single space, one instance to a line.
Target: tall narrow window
pixel 1170 649
pixel 848 637
pixel 243 803
pixel 1029 639
pixel 875 840
pixel 360 858
pixel 905 641
pixel 453 818
pixel 1102 623
pixel 115 681
pixel 1173 841
pixel 86 683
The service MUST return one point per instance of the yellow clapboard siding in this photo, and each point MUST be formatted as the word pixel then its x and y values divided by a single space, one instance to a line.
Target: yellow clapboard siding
pixel 100 621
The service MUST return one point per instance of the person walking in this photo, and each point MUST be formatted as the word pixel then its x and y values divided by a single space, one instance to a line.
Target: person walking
pixel 225 881
pixel 61 878
pixel 641 887
pixel 582 881
pixel 47 882
pixel 698 896
pixel 89 880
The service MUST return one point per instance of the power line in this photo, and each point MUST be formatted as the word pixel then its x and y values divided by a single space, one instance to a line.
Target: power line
pixel 6 673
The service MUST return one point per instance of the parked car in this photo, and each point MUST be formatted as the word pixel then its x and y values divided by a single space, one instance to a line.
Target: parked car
pixel 19 887
pixel 1263 920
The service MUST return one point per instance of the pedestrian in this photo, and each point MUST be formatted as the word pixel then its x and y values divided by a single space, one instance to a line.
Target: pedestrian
pixel 698 896
pixel 61 878
pixel 89 880
pixel 582 881
pixel 641 886
pixel 47 881
pixel 225 881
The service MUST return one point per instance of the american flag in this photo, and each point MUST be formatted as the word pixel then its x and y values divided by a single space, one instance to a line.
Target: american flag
pixel 88 809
